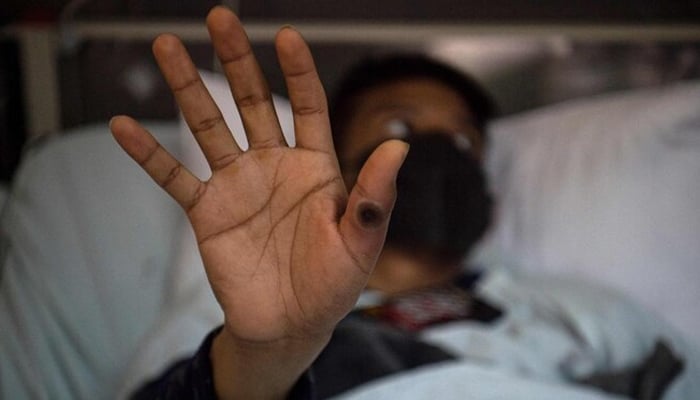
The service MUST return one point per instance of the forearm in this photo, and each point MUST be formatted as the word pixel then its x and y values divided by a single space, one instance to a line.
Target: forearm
pixel 243 370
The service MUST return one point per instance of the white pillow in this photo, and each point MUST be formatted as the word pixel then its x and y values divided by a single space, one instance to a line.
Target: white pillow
pixel 85 247
pixel 608 189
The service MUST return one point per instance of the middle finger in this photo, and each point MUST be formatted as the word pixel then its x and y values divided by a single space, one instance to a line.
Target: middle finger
pixel 248 84
pixel 198 108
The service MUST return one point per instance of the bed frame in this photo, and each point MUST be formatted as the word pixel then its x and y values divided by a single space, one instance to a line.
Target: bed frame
pixel 40 44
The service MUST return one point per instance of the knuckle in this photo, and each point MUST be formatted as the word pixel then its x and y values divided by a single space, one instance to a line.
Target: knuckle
pixel 253 100
pixel 206 124
pixel 172 175
pixel 309 110
pixel 197 195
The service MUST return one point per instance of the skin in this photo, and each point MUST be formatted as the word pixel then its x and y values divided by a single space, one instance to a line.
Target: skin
pixel 287 250
pixel 425 105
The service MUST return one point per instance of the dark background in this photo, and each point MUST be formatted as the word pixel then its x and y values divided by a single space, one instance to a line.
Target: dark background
pixel 633 11
pixel 98 78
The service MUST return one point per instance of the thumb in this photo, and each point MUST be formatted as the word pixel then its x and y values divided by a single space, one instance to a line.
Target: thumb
pixel 366 219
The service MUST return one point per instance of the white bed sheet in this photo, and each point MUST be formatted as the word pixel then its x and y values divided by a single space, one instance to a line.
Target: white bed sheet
pixel 464 380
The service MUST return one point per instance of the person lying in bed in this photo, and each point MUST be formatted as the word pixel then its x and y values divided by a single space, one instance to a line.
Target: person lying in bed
pixel 289 242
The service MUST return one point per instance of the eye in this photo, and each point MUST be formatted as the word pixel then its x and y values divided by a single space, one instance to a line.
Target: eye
pixel 397 128
pixel 462 142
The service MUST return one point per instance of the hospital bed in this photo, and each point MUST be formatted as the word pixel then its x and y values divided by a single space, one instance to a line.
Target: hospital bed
pixel 98 264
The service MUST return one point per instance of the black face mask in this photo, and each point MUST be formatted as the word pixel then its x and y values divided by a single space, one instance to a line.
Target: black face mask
pixel 443 206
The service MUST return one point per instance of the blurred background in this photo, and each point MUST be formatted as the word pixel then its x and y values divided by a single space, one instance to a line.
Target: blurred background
pixel 68 63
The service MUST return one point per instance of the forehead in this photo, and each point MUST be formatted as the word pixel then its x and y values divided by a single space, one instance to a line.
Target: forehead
pixel 411 93
pixel 424 102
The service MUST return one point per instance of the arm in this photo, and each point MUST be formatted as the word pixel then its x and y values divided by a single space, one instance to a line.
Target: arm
pixel 286 249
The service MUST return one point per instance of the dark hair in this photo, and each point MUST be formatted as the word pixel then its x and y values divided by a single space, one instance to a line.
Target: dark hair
pixel 373 72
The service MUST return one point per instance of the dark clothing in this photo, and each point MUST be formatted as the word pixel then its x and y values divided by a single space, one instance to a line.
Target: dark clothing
pixel 359 351
pixel 362 350
pixel 193 379
pixel 190 378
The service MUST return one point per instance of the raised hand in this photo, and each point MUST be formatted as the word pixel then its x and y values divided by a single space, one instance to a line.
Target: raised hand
pixel 286 250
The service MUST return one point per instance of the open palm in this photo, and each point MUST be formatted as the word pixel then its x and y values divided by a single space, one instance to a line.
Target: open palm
pixel 286 249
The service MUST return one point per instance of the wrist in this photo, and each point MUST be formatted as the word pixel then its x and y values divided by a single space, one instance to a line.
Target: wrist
pixel 244 369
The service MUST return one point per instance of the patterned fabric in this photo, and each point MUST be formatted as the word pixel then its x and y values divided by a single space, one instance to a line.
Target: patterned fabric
pixel 417 310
